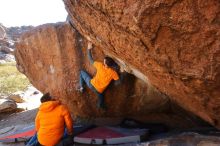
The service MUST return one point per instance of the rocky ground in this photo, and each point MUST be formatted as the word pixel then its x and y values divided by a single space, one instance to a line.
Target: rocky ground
pixel 29 105
pixel 16 120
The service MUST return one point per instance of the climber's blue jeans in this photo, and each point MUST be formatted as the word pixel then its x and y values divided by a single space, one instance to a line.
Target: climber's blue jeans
pixel 85 78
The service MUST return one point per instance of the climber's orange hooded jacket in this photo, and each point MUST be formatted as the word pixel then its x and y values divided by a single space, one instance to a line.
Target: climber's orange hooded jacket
pixel 50 122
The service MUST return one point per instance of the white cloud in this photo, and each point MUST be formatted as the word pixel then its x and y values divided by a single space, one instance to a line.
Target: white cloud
pixel 31 12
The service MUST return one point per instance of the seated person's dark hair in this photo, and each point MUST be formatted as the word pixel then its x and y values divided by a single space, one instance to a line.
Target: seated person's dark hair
pixel 46 97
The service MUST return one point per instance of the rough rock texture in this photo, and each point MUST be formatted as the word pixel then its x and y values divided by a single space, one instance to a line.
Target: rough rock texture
pixel 18 97
pixel 7 105
pixel 175 44
pixel 184 139
pixel 51 56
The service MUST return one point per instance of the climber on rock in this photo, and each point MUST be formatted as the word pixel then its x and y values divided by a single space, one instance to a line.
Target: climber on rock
pixel 105 73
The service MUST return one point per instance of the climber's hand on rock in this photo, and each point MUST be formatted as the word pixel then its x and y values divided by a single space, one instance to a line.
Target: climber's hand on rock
pixel 89 45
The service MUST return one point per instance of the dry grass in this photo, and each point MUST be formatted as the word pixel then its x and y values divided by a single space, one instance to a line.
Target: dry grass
pixel 11 80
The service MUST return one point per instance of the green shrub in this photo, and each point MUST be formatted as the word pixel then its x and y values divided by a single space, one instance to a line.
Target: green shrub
pixel 11 80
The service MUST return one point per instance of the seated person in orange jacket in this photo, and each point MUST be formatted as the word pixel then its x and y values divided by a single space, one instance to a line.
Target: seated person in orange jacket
pixel 105 73
pixel 51 120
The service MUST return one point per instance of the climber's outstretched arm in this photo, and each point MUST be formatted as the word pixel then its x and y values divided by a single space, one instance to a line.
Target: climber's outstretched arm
pixel 89 53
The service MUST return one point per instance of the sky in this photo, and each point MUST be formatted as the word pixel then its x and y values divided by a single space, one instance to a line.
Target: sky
pixel 31 12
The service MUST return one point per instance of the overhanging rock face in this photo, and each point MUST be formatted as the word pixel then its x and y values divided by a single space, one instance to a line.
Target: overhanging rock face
pixel 52 55
pixel 175 44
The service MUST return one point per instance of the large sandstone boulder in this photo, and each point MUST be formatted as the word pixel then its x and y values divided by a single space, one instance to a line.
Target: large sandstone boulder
pixel 52 55
pixel 173 45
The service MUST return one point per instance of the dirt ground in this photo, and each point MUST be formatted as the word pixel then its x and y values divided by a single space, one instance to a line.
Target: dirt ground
pixel 23 118
pixel 26 117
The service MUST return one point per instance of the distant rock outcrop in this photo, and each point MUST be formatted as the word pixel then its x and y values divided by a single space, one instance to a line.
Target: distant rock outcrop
pixel 2 32
pixel 8 36
pixel 14 33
